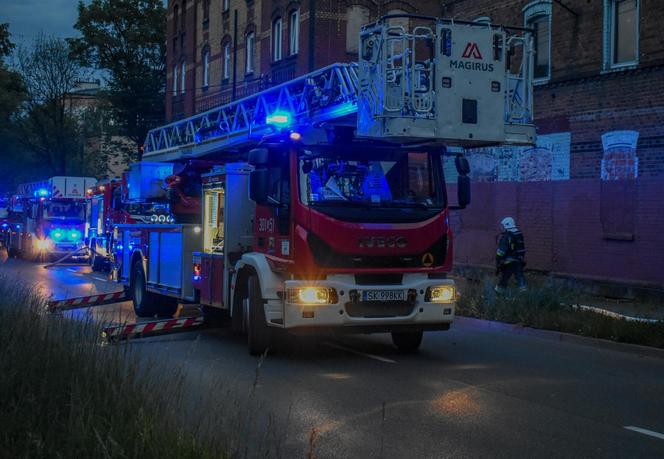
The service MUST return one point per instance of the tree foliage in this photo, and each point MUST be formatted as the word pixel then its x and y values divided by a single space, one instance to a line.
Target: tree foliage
pixel 50 125
pixel 126 39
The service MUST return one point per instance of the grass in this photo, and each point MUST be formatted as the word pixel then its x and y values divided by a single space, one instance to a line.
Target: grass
pixel 65 395
pixel 548 306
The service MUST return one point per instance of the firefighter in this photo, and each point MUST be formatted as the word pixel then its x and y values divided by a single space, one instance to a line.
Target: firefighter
pixel 510 256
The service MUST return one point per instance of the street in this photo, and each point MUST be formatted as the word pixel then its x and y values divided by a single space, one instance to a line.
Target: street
pixel 470 392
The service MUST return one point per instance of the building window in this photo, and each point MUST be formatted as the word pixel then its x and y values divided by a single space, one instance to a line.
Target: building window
pixel 227 60
pixel 276 39
pixel 176 18
pixel 206 9
pixel 175 80
pixel 226 6
pixel 206 68
pixel 294 32
pixel 249 65
pixel 356 16
pixel 537 16
pixel 621 33
pixel 183 73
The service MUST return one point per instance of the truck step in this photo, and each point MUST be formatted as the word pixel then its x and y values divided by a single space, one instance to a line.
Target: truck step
pixel 86 301
pixel 152 328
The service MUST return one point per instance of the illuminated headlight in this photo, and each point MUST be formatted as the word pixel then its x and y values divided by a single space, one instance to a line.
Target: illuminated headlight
pixel 162 218
pixel 440 294
pixel 154 218
pixel 74 235
pixel 44 244
pixel 311 295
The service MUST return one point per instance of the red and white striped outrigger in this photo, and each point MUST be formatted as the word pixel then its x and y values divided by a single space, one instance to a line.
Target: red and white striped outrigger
pixel 152 328
pixel 86 301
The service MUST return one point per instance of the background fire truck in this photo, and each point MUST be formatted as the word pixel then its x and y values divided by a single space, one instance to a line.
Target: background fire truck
pixel 327 208
pixel 48 217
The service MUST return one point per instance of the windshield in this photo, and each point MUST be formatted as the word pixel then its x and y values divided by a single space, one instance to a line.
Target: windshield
pixel 398 180
pixel 61 210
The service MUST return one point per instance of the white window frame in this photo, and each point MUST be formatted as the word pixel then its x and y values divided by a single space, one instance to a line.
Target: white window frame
pixel 610 37
pixel 294 32
pixel 206 68
pixel 227 61
pixel 175 79
pixel 277 39
pixel 531 11
pixel 226 6
pixel 183 77
pixel 250 43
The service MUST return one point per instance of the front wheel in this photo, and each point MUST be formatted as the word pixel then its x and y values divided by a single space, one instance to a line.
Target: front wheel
pixel 258 332
pixel 144 301
pixel 407 341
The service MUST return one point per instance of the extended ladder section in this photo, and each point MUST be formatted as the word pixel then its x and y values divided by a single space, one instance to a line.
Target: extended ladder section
pixel 418 79
pixel 324 95
pixel 427 78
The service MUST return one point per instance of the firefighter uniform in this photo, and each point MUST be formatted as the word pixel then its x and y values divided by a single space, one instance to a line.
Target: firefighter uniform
pixel 510 256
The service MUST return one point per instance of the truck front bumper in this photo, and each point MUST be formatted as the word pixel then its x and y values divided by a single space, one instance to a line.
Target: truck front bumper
pixel 359 308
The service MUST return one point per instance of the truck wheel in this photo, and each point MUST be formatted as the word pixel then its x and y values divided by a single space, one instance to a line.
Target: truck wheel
pixel 258 333
pixel 96 262
pixel 407 341
pixel 144 301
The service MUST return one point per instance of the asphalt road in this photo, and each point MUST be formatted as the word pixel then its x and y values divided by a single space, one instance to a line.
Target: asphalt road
pixel 473 391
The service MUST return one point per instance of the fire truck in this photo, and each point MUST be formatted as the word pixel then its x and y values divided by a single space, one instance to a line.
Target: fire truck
pixel 326 207
pixel 49 217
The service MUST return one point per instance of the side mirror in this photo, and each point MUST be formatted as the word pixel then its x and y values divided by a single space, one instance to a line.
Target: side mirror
pixel 259 156
pixel 258 180
pixel 462 165
pixel 463 191
pixel 307 166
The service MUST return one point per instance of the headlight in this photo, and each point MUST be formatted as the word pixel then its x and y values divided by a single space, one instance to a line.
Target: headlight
pixel 154 218
pixel 440 294
pixel 75 235
pixel 311 295
pixel 162 218
pixel 44 244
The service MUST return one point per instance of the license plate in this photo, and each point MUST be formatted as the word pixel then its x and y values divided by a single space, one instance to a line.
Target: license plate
pixel 383 295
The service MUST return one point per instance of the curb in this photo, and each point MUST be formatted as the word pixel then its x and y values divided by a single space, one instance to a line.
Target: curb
pixel 643 351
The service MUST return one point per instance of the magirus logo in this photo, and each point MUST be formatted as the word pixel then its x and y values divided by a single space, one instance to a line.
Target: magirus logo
pixel 472 50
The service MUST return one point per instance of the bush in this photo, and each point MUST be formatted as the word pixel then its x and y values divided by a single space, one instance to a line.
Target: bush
pixel 64 394
pixel 548 306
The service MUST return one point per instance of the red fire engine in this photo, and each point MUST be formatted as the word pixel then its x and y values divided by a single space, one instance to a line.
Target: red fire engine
pixel 327 207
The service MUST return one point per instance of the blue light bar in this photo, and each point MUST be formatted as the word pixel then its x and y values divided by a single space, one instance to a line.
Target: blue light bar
pixel 42 193
pixel 279 119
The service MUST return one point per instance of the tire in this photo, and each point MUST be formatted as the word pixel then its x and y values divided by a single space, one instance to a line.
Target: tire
pixel 258 333
pixel 96 262
pixel 144 301
pixel 407 341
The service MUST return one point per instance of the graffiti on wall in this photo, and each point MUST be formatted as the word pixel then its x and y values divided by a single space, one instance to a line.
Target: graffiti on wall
pixel 620 161
pixel 548 160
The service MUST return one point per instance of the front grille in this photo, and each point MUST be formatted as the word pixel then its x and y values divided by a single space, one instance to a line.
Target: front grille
pixel 375 310
pixel 326 257
pixel 378 279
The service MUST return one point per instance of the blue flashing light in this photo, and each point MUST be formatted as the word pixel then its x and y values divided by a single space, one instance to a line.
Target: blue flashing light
pixel 119 247
pixel 5 225
pixel 279 119
pixel 42 193
pixel 197 278
pixel 75 234
pixel 57 234
pixel 18 226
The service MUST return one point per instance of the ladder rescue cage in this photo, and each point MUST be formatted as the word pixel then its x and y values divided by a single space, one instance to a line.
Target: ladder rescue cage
pixel 418 79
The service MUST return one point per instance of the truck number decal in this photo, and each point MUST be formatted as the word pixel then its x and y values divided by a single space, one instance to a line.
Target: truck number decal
pixel 266 225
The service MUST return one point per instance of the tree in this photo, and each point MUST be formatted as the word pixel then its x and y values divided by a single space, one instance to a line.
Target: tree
pixel 50 125
pixel 126 38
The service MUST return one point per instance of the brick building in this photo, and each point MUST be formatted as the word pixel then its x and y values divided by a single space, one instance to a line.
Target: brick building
pixel 219 50
pixel 589 196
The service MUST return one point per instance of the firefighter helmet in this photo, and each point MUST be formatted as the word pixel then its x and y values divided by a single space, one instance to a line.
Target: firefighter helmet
pixel 508 223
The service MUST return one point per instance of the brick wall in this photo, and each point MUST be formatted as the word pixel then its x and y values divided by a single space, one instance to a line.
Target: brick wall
pixel 587 228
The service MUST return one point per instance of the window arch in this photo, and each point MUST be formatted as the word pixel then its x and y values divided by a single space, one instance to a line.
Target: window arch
pixel 537 16
pixel 226 44
pixel 356 16
pixel 277 38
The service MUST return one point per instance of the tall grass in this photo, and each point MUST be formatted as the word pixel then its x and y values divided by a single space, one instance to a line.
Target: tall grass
pixel 548 305
pixel 65 395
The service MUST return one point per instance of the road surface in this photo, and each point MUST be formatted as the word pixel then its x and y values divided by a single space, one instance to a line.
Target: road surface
pixel 473 391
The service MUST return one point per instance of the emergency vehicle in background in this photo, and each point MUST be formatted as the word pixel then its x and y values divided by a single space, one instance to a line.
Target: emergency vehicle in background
pixel 48 217
pixel 326 206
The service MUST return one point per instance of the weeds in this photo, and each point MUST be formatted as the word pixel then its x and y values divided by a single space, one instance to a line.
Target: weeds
pixel 65 395
pixel 549 306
